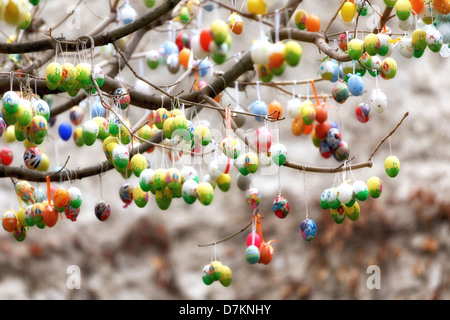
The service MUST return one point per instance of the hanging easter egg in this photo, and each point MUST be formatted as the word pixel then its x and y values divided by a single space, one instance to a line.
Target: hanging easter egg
pixel 253 238
pixel 224 182
pixel 25 192
pixel 342 151
pixel 120 157
pixel 136 194
pixel 20 232
pixel 10 101
pixel 325 149
pixel 362 112
pixel 197 49
pixel 390 3
pixel 355 85
pixel 355 48
pixel 6 156
pixel 72 213
pixel 53 73
pixel 188 173
pixel 388 68
pixel 312 23
pixel 348 11
pixel 253 198
pixel 251 162
pixel 374 186
pixel 138 164
pixel 128 14
pixel 375 66
pixel 219 31
pixel 340 91
pixel 184 57
pixel 308 229
pixel 61 199
pixel 243 182
pixel 300 17
pixel 257 7
pixel 152 59
pixel 158 181
pixel 260 52
pixel 352 211
pixel 32 158
pixel 205 193
pixel 345 194
pixel 327 69
pixel 281 207
pixel 338 214
pixel 173 63
pixel 276 55
pixel 419 39
pixel 385 44
pixel 403 9
pixel 102 210
pixel 360 190
pixel 392 166
pixel 333 200
pixel 75 197
pixel 29 216
pixel 202 135
pixel 372 44
pixel 37 215
pixel 252 254
pixel 90 132
pixel 145 179
pixel 206 277
pixel 83 75
pixel 308 114
pixel 263 139
pixel 333 137
pixel 215 270
pixel 76 115
pixel 278 153
pixel 378 101
pixel 9 220
pixel 49 215
pixel 189 190
pixel 226 277
pixel 121 98
pixel 434 40
pixel 231 147
pixel 442 6
pixel 266 251
pixel 323 200
pixel 292 53
pixel 65 131
pixel 294 108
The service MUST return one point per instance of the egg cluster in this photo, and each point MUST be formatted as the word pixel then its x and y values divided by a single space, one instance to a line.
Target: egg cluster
pixel 36 210
pixel 217 271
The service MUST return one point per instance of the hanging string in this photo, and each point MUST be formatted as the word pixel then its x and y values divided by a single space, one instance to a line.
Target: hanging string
pixel 293 89
pixel 258 90
pixel 279 181
pixel 306 194
pixel 390 146
pixel 261 30
pixel 277 26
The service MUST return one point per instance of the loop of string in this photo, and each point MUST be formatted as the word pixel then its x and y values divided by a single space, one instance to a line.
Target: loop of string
pixel 306 194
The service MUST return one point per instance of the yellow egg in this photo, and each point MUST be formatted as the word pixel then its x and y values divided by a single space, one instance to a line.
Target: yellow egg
pixel 419 39
pixel 138 164
pixel 10 135
pixel 12 13
pixel 53 73
pixel 348 11
pixel 45 163
pixel 256 7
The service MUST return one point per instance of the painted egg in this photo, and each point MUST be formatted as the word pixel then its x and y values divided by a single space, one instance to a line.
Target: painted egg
pixel 253 238
pixel 333 137
pixel 120 157
pixel 188 173
pixel 83 77
pixel 121 98
pixel 25 191
pixel 403 9
pixel 308 114
pixel 76 115
pixel 32 158
pixel 29 216
pixel 327 69
pixel 49 215
pixel 252 254
pixel 205 193
pixel 197 49
pixel 61 199
pixel 323 200
pixel 278 153
pixel 68 76
pixel 10 101
pixel 321 129
pixel 294 107
pixel 392 166
pixel 9 220
pixel 224 163
pixel 312 23
pixel 231 147
pixel 65 131
pixel 173 179
pixel 374 186
pixel 75 197
pixel 138 164
pixel 159 116
pixel 355 48
pixel 253 198
pixel 158 181
pixel 202 135
pixel 152 59
pixel 126 194
pixel 385 44
pixel 251 162
pixel 372 44
pixel 226 277
pixel 390 3
pixel 145 179
pixel 340 91
pixel 333 200
pixel 189 190
pixel 345 194
pixel 259 108
pixel 362 7
pixel 292 53
pixel 378 101
pixel 6 156
pixel 325 149
pixel 24 113
pixel 102 210
pixel 215 270
pixel 173 63
pixel 348 11
pixel 419 39
pixel 260 52
pixel 347 66
pixel 353 211
pixel 360 190
pixel 366 60
pixel 343 40
pixel 206 277
pixel 90 132
pixel 281 207
pixel 300 17
pixel 308 229
pixel 3 126
pixel 103 127
pixel 72 213
pixel 243 182
pixel 53 73
pixel 163 198
pixel 37 214
pixel 338 215
pixel 434 40
pixel 375 67
pixel 388 68
pixel 342 151
pixel 355 85
pixel 263 139
pixel 240 164
pixel 442 6
pixel 139 196
pixel 20 232
pixel 362 112
pixel 219 31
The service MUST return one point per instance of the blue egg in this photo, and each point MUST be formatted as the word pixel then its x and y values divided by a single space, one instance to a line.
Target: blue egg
pixel 65 131
pixel 355 85
pixel 252 254
pixel 203 67
pixel 260 108
pixel 333 138
pixel 97 110
pixel 308 229
pixel 168 48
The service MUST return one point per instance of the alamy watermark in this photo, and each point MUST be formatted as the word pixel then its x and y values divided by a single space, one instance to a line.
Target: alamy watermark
pixel 74 278
pixel 374 280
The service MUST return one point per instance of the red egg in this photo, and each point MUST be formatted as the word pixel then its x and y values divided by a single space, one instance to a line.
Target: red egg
pixel 205 39
pixel 50 215
pixel 6 156
pixel 250 239
pixel 321 113
pixel 263 139
pixel 322 129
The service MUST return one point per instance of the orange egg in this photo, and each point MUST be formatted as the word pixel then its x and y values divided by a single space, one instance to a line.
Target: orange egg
pixel 9 220
pixel 183 57
pixel 308 128
pixel 417 6
pixel 321 113
pixel 442 6
pixel 266 251
pixel 298 126
pixel 61 199
pixel 50 215
pixel 275 109
pixel 312 23
pixel 322 129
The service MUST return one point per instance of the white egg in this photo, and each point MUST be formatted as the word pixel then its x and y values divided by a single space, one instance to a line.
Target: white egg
pixel 378 101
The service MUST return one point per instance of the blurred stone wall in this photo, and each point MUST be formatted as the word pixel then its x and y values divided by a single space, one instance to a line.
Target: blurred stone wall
pixel 153 254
